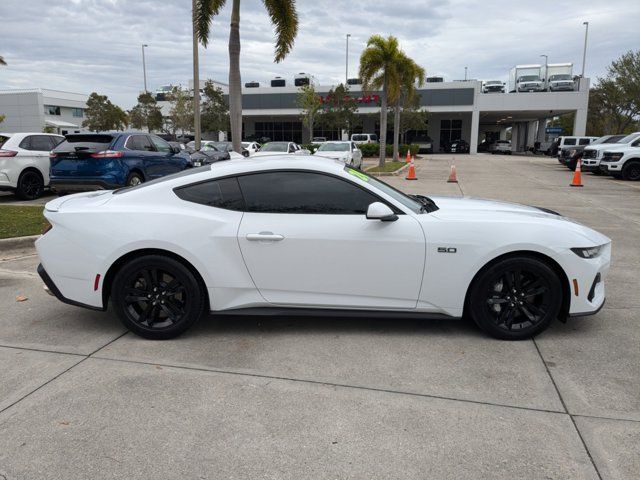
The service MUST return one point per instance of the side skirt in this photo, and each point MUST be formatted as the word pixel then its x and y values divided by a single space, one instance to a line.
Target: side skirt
pixel 331 312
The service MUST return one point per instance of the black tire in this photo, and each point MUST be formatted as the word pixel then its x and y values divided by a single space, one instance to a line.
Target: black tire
pixel 30 185
pixel 134 179
pixel 631 170
pixel 157 297
pixel 245 153
pixel 506 315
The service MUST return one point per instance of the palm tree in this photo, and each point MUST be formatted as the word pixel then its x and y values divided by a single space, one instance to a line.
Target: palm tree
pixel 410 74
pixel 284 18
pixel 378 70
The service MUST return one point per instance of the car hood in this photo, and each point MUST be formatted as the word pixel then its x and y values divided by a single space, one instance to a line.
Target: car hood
pixel 268 154
pixel 470 209
pixel 336 155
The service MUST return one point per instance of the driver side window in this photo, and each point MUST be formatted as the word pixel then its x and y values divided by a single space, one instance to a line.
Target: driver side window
pixel 303 192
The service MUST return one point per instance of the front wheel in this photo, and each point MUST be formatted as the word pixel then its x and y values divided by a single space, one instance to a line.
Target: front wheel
pixel 157 297
pixel 516 298
pixel 631 171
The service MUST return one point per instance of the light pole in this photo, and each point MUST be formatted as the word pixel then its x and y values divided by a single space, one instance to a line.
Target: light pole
pixel 465 74
pixel 346 67
pixel 546 63
pixel 584 51
pixel 144 68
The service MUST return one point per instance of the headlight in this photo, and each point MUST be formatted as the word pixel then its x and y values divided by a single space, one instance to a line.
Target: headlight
pixel 589 252
pixel 616 156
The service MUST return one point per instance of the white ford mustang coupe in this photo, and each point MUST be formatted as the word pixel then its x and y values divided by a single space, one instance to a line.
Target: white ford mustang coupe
pixel 310 236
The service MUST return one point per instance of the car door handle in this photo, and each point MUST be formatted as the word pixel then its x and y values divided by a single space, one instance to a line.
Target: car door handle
pixel 264 236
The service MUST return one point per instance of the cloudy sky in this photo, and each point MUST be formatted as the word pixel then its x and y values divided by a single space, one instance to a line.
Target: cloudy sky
pixel 95 45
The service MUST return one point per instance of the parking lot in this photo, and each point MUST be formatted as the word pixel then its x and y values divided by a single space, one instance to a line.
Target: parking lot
pixel 261 397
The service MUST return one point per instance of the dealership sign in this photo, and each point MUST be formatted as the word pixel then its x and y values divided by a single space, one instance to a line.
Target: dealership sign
pixel 556 130
pixel 364 99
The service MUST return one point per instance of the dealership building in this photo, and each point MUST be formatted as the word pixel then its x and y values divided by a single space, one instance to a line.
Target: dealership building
pixel 457 110
pixel 37 109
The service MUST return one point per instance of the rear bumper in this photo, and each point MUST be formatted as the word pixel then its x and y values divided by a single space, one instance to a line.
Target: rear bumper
pixel 69 185
pixel 56 291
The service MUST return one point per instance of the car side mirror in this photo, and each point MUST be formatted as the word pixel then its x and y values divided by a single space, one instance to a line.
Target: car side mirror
pixel 380 211
pixel 175 149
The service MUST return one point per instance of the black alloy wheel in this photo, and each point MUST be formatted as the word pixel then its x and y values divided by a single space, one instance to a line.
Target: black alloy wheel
pixel 516 298
pixel 157 297
pixel 30 185
pixel 631 171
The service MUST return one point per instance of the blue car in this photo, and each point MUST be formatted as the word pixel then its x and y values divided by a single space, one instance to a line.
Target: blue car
pixel 103 161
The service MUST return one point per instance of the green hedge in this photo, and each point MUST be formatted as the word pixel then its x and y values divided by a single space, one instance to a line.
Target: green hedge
pixel 373 149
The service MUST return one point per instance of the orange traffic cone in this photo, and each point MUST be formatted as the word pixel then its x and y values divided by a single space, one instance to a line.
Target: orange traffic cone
pixel 412 172
pixel 577 176
pixel 408 156
pixel 452 176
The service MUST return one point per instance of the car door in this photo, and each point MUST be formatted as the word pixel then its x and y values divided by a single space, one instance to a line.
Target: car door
pixel 142 154
pixel 35 153
pixel 168 161
pixel 306 241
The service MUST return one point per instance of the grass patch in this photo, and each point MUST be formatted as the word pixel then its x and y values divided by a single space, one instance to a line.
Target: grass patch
pixel 19 221
pixel 388 167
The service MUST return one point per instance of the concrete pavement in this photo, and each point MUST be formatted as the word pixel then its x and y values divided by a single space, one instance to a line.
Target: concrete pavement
pixel 335 398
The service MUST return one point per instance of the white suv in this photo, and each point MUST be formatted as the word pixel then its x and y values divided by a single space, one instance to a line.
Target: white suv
pixel 622 162
pixel 24 162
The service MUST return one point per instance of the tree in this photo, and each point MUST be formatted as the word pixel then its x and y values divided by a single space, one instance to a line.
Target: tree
pixel 181 113
pixel 283 16
pixel 2 117
pixel 2 61
pixel 378 72
pixel 412 118
pixel 215 109
pixel 309 102
pixel 102 115
pixel 338 111
pixel 146 113
pixel 409 73
pixel 614 102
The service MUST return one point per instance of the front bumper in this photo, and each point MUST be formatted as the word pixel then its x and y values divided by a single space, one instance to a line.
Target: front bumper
pixel 589 276
pixel 611 167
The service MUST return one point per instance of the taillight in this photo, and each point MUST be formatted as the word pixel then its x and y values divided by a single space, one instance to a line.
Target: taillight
pixel 47 228
pixel 107 154
pixel 8 153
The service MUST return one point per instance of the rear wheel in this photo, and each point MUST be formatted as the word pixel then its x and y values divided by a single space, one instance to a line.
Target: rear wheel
pixel 157 297
pixel 134 179
pixel 631 171
pixel 30 185
pixel 516 298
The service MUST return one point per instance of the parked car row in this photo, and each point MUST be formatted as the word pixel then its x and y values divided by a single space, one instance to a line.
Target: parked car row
pixel 615 155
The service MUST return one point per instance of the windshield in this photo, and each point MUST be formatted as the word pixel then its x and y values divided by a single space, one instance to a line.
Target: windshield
pixel 209 146
pixel 334 147
pixel 223 146
pixel 560 77
pixel 608 139
pixel 275 147
pixel 530 78
pixel 629 138
pixel 494 82
pixel 3 139
pixel 414 204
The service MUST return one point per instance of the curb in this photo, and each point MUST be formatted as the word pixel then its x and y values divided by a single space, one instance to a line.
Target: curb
pixel 389 174
pixel 18 242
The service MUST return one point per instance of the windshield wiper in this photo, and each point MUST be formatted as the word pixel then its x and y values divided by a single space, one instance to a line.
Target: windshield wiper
pixel 428 205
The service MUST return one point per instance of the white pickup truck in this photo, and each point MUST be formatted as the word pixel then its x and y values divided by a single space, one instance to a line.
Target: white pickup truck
pixel 622 162
pixel 592 155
